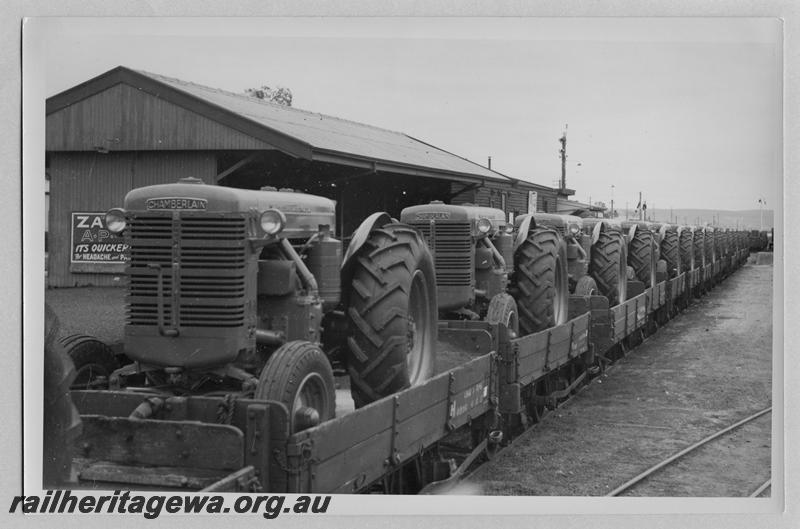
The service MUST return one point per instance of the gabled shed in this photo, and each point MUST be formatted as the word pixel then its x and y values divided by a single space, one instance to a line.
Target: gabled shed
pixel 126 128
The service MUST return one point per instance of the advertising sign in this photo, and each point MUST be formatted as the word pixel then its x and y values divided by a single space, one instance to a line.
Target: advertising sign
pixel 93 243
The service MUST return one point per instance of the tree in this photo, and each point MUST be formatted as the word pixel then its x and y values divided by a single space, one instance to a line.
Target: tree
pixel 280 94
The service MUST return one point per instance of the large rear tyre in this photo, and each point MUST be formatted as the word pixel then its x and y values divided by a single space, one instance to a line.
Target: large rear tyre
pixel 642 257
pixel 94 361
pixel 62 423
pixel 608 267
pixel 299 375
pixel 686 250
pixel 392 314
pixel 670 253
pixel 539 282
pixel 699 248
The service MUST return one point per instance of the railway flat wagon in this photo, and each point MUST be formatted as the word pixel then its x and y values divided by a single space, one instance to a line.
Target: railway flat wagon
pixel 265 415
pixel 419 439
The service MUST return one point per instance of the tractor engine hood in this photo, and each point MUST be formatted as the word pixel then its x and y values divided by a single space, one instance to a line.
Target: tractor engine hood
pixel 437 210
pixel 304 213
pixel 561 223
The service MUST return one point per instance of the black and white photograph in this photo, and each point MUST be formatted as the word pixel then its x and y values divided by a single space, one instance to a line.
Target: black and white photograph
pixel 287 266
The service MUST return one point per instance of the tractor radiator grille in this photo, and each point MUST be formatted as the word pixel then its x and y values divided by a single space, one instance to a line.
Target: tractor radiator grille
pixel 200 264
pixel 451 245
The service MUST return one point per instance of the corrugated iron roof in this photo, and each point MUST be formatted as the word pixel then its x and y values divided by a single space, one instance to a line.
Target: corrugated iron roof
pixel 329 137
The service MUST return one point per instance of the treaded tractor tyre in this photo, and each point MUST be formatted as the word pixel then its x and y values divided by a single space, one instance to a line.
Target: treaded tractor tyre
pixel 641 256
pixel 539 283
pixel 699 249
pixel 686 250
pixel 61 421
pixel 300 376
pixel 92 359
pixel 670 253
pixel 586 286
pixel 608 266
pixel 392 314
pixel 503 309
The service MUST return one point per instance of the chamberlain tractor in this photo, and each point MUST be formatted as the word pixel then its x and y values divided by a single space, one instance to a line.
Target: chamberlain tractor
pixel 711 250
pixel 643 251
pixel 595 253
pixel 686 249
pixel 668 237
pixel 490 269
pixel 473 257
pixel 590 254
pixel 246 293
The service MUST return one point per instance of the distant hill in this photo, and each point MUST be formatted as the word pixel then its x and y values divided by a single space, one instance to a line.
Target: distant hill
pixel 748 219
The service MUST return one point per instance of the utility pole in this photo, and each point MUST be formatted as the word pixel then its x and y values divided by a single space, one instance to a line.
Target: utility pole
pixel 761 203
pixel 563 152
pixel 612 201
pixel 641 207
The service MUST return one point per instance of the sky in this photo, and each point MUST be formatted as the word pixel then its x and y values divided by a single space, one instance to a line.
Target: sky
pixel 687 111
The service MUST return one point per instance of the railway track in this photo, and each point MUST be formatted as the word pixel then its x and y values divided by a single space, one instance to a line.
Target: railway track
pixel 627 487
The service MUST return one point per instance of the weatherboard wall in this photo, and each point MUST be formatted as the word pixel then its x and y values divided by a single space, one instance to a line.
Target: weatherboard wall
pixel 123 118
pixel 516 197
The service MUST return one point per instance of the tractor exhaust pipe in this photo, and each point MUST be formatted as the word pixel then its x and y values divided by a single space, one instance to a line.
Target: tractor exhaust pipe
pixel 265 337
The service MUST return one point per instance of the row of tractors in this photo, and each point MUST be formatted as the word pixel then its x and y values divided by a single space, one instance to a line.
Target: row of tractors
pixel 247 296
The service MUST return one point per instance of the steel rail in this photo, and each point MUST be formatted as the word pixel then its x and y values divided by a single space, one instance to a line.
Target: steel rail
pixel 764 486
pixel 652 470
pixel 465 473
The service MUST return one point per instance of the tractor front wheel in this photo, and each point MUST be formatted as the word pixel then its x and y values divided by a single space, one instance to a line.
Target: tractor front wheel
pixel 94 361
pixel 62 424
pixel 299 375
pixel 503 309
pixel 392 314
pixel 586 287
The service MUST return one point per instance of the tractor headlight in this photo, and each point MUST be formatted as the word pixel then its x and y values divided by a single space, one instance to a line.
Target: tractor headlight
pixel 272 221
pixel 484 225
pixel 574 229
pixel 115 220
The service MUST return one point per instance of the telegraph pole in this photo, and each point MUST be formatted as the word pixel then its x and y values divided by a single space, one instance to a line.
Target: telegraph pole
pixel 563 152
pixel 641 207
pixel 612 201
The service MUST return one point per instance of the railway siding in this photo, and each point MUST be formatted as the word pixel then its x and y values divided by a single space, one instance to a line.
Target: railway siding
pixel 708 368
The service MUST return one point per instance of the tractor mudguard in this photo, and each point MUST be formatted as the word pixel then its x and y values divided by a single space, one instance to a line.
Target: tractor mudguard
pixel 598 228
pixel 631 233
pixel 361 235
pixel 524 228
pixel 662 231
